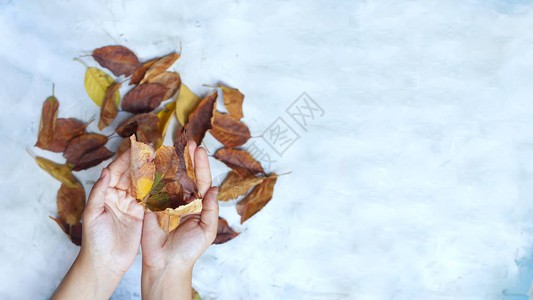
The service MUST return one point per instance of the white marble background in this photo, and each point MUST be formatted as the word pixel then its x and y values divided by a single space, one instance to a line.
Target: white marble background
pixel 416 182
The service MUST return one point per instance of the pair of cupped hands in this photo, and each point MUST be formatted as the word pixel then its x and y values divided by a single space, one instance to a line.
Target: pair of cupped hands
pixel 115 225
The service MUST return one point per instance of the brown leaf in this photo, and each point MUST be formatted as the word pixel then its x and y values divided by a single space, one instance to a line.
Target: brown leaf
pixel 48 122
pixel 93 158
pixel 139 73
pixel 240 161
pixel 82 144
pixel 123 146
pixel 185 175
pixel 74 232
pixel 144 98
pixel 109 109
pixel 66 130
pixel 145 126
pixel 169 219
pixel 229 131
pixel 235 185
pixel 166 162
pixel 70 203
pixel 119 60
pixel 233 99
pixel 224 232
pixel 142 168
pixel 170 80
pixel 58 171
pixel 200 119
pixel 160 66
pixel 257 199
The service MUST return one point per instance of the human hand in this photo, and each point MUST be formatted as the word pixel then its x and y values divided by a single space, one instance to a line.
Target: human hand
pixel 168 259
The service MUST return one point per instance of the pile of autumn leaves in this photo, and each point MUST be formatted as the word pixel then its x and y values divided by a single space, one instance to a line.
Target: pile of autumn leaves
pixel 163 177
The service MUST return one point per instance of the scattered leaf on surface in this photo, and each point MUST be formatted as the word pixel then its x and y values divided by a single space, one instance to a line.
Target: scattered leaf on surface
pixel 82 144
pixel 235 185
pixel 240 161
pixel 224 232
pixel 200 119
pixel 169 219
pixel 70 203
pixel 66 130
pixel 72 231
pixel 257 199
pixel 58 171
pixel 160 66
pixel 119 60
pixel 48 122
pixel 186 103
pixel 144 98
pixel 123 146
pixel 96 84
pixel 139 73
pixel 170 80
pixel 144 126
pixel 142 168
pixel 233 99
pixel 109 108
pixel 92 158
pixel 229 131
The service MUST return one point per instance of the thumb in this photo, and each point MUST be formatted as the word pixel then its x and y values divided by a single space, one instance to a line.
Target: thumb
pixel 209 214
pixel 96 199
pixel 153 237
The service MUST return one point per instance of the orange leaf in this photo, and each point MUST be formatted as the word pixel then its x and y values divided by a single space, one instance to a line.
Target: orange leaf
pixel 200 119
pixel 166 162
pixel 160 66
pixel 169 219
pixel 109 108
pixel 257 199
pixel 70 203
pixel 142 168
pixel 92 158
pixel 235 185
pixel 139 73
pixel 170 80
pixel 233 99
pixel 224 232
pixel 144 98
pixel 48 122
pixel 240 161
pixel 229 131
pixel 119 60
pixel 74 232
pixel 82 144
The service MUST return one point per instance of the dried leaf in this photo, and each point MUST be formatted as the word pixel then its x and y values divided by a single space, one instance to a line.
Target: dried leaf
pixel 58 171
pixel 144 98
pixel 235 185
pixel 65 131
pixel 257 199
pixel 224 232
pixel 96 84
pixel 142 168
pixel 233 99
pixel 48 122
pixel 185 175
pixel 195 295
pixel 240 161
pixel 74 232
pixel 123 146
pixel 160 66
pixel 139 73
pixel 93 158
pixel 166 162
pixel 164 119
pixel 82 144
pixel 170 80
pixel 70 203
pixel 186 103
pixel 109 108
pixel 119 60
pixel 229 131
pixel 200 119
pixel 169 219
pixel 144 126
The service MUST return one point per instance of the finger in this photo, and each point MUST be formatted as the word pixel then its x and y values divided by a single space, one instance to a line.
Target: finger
pixel 118 168
pixel 209 213
pixel 153 237
pixel 96 198
pixel 201 168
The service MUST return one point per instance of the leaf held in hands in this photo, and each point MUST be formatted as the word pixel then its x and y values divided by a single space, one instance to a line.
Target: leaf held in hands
pixel 109 107
pixel 235 185
pixel 166 162
pixel 233 99
pixel 186 103
pixel 170 80
pixel 200 119
pixel 169 219
pixel 160 66
pixel 224 232
pixel 257 199
pixel 58 171
pixel 48 122
pixel 118 59
pixel 229 131
pixel 82 144
pixel 164 119
pixel 144 98
pixel 74 232
pixel 70 203
pixel 96 84
pixel 142 168
pixel 240 161
pixel 185 175
pixel 93 158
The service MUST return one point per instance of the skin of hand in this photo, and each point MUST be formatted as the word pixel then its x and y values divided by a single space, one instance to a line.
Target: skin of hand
pixel 112 227
pixel 168 259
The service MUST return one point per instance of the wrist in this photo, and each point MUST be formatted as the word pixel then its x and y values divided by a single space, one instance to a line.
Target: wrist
pixel 100 277
pixel 166 282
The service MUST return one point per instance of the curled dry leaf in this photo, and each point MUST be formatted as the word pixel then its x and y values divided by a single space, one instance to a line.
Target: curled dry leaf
pixel 164 119
pixel 169 219
pixel 145 126
pixel 142 168
pixel 92 158
pixel 118 59
pixel 144 98
pixel 240 161
pixel 200 119
pixel 185 175
pixel 109 108
pixel 186 103
pixel 65 131
pixel 257 199
pixel 70 203
pixel 224 232
pixel 48 122
pixel 123 146
pixel 166 162
pixel 170 80
pixel 73 232
pixel 82 144
pixel 58 171
pixel 139 73
pixel 233 99
pixel 235 185
pixel 229 131
pixel 160 66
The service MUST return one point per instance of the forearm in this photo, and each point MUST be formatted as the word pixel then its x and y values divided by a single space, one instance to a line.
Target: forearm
pixel 85 280
pixel 170 283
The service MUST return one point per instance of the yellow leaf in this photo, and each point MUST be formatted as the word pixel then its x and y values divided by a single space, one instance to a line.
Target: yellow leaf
pixel 142 168
pixel 186 102
pixel 96 84
pixel 169 219
pixel 58 171
pixel 164 119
